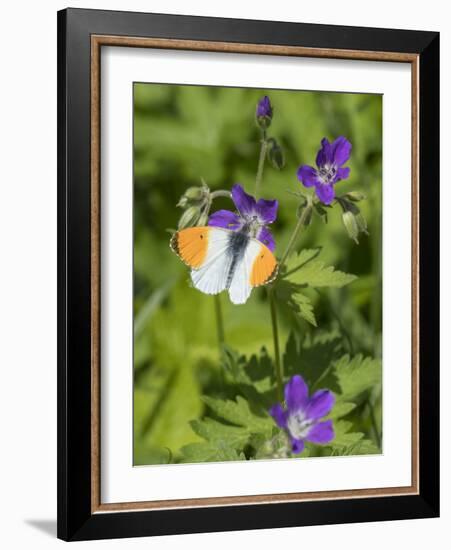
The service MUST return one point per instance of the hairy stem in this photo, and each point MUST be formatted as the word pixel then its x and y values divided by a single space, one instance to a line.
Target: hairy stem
pixel 275 334
pixel 261 165
pixel 220 193
pixel 219 321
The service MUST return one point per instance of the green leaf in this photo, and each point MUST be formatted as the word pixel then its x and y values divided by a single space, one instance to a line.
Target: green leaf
pixel 348 443
pixel 216 432
pixel 343 437
pixel 254 377
pixel 313 358
pixel 238 412
pixel 341 409
pixel 297 260
pixel 302 270
pixel 357 375
pixel 227 441
pixel 304 307
pixel 289 295
pixel 210 452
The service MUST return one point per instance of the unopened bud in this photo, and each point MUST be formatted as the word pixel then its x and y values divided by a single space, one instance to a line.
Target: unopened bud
pixel 183 202
pixel 264 113
pixel 361 223
pixel 194 193
pixel 203 220
pixel 275 154
pixel 351 225
pixel 189 217
pixel 355 196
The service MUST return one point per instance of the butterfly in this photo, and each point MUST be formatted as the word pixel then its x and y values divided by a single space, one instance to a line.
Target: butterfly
pixel 222 259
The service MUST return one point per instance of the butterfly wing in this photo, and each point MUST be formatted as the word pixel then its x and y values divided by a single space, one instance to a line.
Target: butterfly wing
pixel 257 267
pixel 206 251
pixel 218 263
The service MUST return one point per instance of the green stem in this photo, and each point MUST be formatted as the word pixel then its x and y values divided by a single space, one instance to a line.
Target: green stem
pixel 293 238
pixel 215 195
pixel 219 321
pixel 275 333
pixel 261 165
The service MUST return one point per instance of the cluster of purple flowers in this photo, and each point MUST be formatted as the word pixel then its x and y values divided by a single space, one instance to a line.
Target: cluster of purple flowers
pixel 301 416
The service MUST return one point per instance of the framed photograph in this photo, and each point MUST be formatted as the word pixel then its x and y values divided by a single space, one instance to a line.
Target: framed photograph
pixel 248 274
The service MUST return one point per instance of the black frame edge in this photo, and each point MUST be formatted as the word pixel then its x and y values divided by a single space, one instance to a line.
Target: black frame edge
pixel 429 174
pixel 61 279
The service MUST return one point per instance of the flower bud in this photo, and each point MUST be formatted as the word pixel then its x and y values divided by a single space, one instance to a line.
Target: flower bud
pixel 355 196
pixel 203 220
pixel 275 154
pixel 264 113
pixel 192 195
pixel 183 202
pixel 361 222
pixel 189 217
pixel 351 225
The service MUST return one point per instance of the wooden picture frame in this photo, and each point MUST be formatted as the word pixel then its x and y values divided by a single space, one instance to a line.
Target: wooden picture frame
pixel 81 35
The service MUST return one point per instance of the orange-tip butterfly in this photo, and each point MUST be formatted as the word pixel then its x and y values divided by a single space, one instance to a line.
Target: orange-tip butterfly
pixel 222 259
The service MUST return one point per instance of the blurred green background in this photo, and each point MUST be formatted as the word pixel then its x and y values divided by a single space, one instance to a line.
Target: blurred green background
pixel 185 133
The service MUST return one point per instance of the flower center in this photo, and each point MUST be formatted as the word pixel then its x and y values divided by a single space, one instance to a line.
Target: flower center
pixel 252 225
pixel 327 174
pixel 299 425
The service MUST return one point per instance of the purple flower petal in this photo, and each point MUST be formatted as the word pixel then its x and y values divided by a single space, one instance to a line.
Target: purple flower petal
pixel 245 203
pixel 279 415
pixel 326 193
pixel 267 210
pixel 342 173
pixel 325 154
pixel 341 150
pixel 308 176
pixel 226 219
pixel 297 445
pixel 320 404
pixel 296 393
pixel 265 236
pixel 323 432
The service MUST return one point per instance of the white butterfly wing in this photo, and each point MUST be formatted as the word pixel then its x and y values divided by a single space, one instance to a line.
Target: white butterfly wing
pixel 211 277
pixel 257 267
pixel 240 287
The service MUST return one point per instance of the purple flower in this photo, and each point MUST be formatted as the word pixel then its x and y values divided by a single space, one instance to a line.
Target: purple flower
pixel 252 216
pixel 329 171
pixel 264 108
pixel 302 417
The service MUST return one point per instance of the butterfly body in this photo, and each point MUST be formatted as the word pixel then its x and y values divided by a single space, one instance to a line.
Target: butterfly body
pixel 221 259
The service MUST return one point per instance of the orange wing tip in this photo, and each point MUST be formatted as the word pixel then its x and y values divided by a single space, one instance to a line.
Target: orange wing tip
pixel 264 269
pixel 272 277
pixel 191 245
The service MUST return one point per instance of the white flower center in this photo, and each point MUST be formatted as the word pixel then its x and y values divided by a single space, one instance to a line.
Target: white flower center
pixel 327 173
pixel 252 225
pixel 299 425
